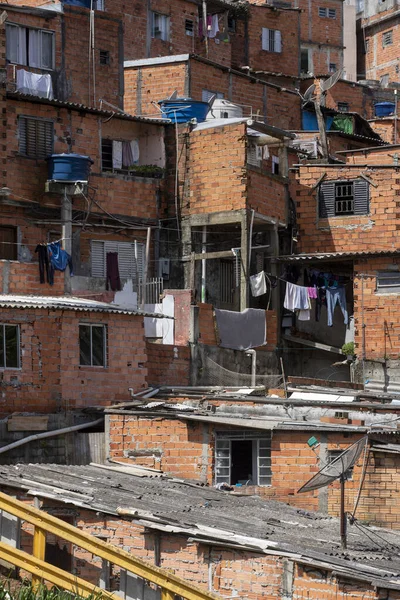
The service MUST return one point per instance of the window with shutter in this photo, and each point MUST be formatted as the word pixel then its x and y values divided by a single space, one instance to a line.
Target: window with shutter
pixel 347 197
pixel 388 282
pixel 36 137
pixel 387 38
pixel 271 40
pixel 128 269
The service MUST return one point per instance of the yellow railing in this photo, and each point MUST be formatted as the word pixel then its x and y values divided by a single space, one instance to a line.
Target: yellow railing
pixel 35 564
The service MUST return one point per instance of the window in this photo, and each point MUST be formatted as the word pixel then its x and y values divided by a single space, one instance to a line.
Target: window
pixel 333 455
pixel 328 13
pixel 160 27
pixel 332 67
pixel 275 165
pixel 304 61
pixel 231 24
pixel 9 346
pixel 104 57
pixel 343 106
pixel 117 156
pixel 189 27
pixel 388 282
pixel 271 40
pixel 130 264
pixel 92 345
pixel 243 457
pixel 341 198
pixel 254 155
pixel 36 137
pixel 387 38
pixel 30 47
pixel 8 243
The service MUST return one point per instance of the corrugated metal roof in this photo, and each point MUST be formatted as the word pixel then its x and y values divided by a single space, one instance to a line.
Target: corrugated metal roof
pixel 70 303
pixel 89 109
pixel 248 522
pixel 325 256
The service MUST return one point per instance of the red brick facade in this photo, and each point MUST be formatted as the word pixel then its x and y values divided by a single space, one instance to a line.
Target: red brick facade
pixel 50 377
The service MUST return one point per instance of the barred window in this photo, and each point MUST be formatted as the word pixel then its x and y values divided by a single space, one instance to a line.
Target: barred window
pixel 92 345
pixel 271 40
pixel 345 197
pixel 387 38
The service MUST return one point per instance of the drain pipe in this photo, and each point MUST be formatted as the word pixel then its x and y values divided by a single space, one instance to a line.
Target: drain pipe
pixel 253 355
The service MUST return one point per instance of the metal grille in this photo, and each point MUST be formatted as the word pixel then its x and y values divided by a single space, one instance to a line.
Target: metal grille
pixel 387 38
pixel 126 258
pixel 226 283
pixel 152 291
pixel 344 198
pixel 36 137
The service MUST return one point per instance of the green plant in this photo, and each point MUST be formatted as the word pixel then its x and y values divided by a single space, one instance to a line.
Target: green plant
pixel 146 171
pixel 348 349
pixel 23 590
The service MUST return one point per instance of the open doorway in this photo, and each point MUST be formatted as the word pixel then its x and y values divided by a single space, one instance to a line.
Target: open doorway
pixel 242 461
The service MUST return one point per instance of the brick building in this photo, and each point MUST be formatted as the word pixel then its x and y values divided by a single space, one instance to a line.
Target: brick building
pixel 378 40
pixel 263 450
pixel 224 543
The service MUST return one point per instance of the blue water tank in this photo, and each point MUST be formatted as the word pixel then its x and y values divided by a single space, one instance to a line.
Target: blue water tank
pixel 69 167
pixel 384 109
pixel 183 110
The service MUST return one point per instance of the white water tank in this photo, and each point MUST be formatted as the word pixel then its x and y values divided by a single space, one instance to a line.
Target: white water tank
pixel 223 109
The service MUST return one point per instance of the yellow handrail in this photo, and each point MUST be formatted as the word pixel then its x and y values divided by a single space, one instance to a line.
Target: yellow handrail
pixel 169 583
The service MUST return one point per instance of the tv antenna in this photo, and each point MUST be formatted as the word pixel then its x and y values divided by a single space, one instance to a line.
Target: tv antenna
pixel 338 469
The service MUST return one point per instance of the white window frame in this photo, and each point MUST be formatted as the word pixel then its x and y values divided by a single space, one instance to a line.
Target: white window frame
pixel 271 40
pixel 22 51
pixel 275 164
pixel 17 327
pixel 160 26
pixel 261 455
pixel 126 258
pixel 388 282
pixel 104 329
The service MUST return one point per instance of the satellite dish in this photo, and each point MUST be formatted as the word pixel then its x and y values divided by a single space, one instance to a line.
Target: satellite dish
pixel 330 82
pixel 174 95
pixel 337 470
pixel 309 93
pixel 211 100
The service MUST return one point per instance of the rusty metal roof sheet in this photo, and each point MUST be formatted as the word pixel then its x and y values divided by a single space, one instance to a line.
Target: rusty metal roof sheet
pixel 327 256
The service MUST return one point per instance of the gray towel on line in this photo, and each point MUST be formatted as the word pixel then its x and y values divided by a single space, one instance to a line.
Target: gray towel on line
pixel 241 330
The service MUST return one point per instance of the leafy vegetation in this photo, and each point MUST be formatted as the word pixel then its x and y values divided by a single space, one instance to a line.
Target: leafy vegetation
pixel 23 590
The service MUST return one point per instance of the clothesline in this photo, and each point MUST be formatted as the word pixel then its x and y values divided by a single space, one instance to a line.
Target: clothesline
pixel 40 243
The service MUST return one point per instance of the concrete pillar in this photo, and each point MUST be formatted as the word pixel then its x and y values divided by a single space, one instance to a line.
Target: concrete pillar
pixel 186 231
pixel 66 219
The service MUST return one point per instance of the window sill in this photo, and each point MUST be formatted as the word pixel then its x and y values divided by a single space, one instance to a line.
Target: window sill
pixel 35 69
pixel 91 367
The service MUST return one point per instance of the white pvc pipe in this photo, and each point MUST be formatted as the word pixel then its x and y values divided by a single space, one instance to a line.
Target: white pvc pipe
pixel 203 264
pixel 253 355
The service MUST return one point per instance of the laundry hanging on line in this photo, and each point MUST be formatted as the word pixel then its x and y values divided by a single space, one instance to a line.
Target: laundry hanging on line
pixel 258 284
pixel 241 330
pixel 52 258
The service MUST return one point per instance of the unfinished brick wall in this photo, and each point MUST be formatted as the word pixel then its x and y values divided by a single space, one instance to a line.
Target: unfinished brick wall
pixel 375 231
pixel 217 170
pixel 377 311
pixel 381 59
pixel 266 194
pixel 147 84
pixel 167 365
pixel 50 377
pixel 71 79
pixel 23 278
pixel 177 448
pixel 285 21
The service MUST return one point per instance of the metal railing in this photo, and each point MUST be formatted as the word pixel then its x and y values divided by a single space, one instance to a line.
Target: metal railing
pixel 169 584
pixel 152 290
